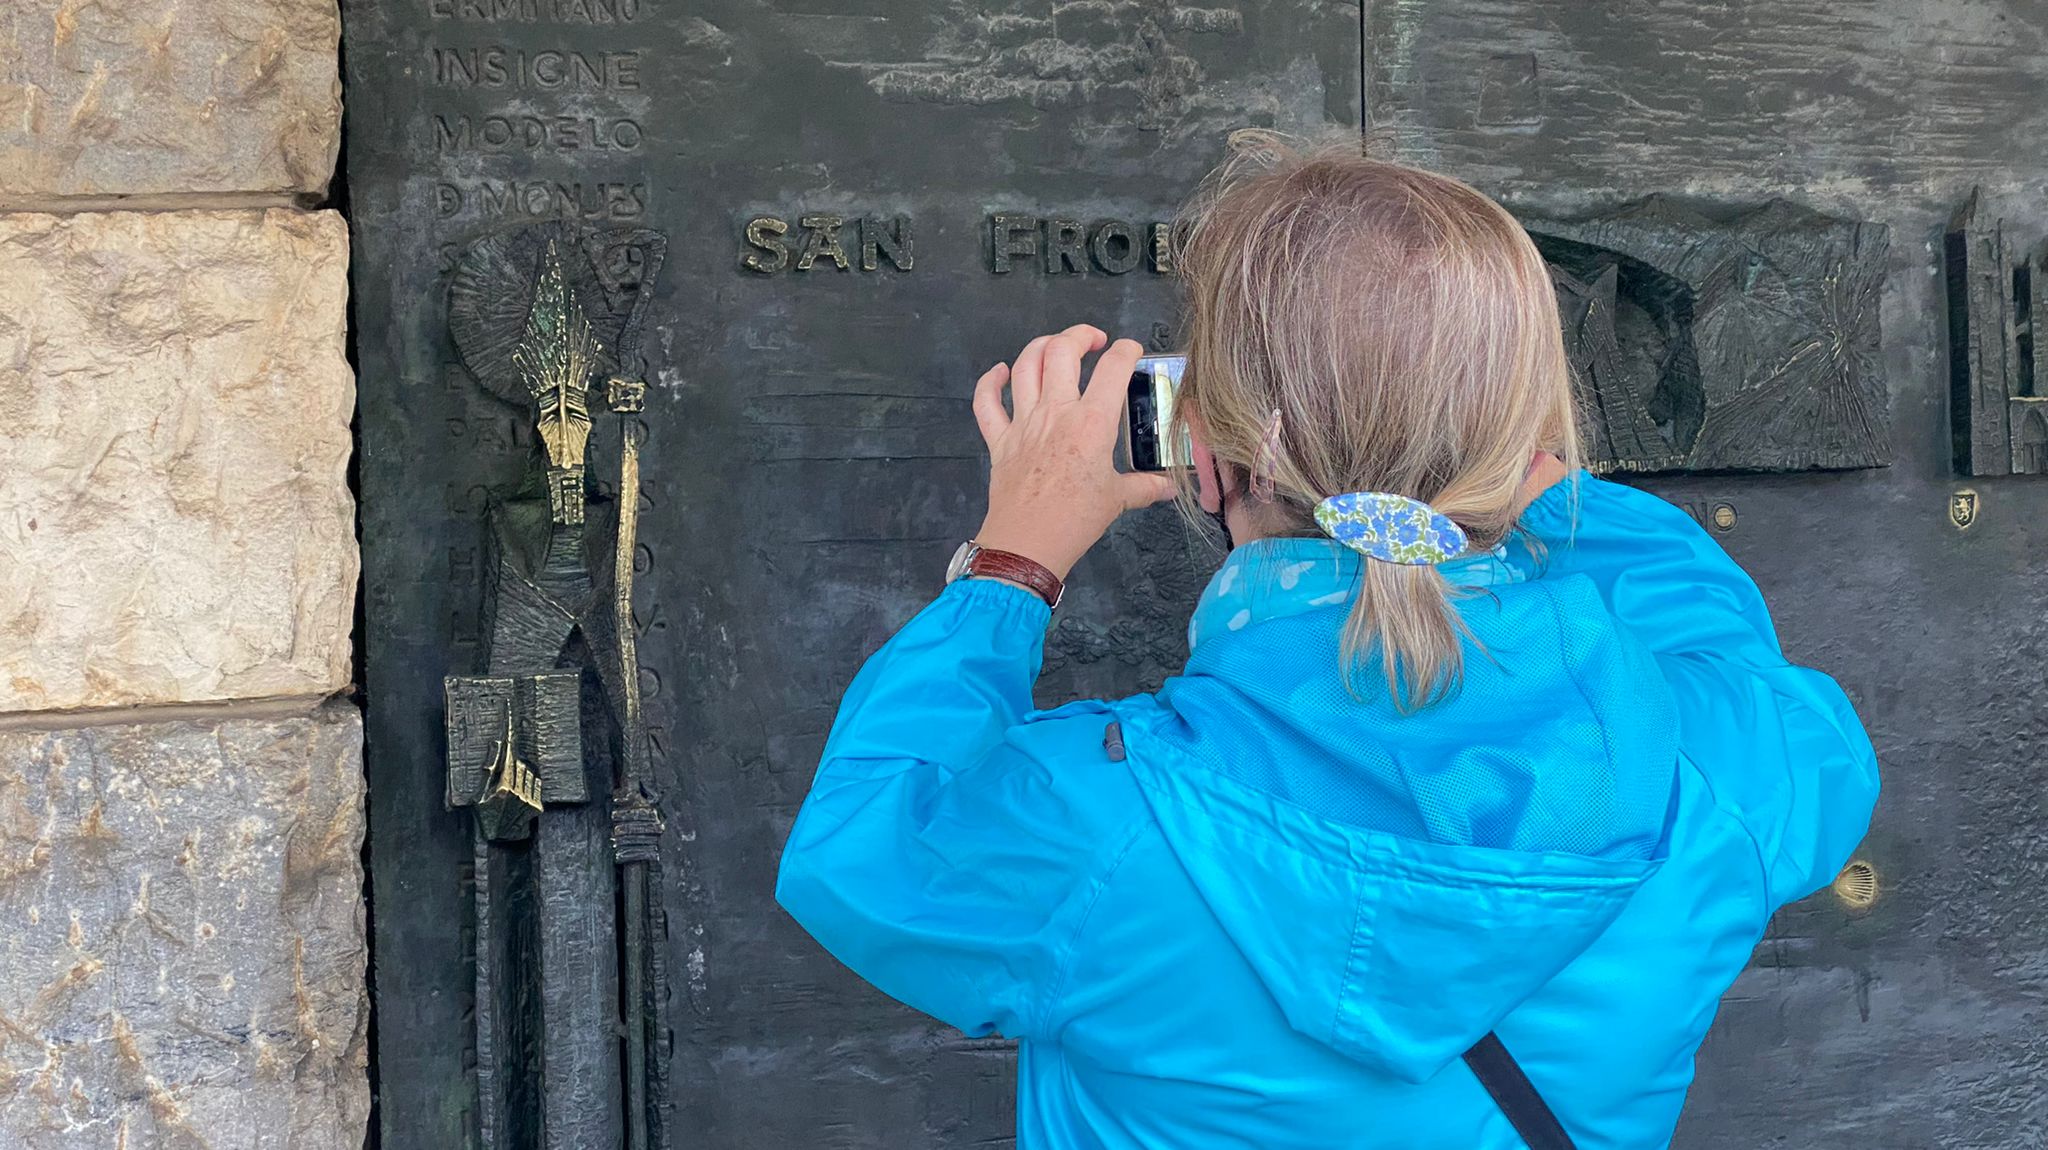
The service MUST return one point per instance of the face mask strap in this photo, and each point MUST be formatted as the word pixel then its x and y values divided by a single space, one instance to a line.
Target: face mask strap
pixel 1210 494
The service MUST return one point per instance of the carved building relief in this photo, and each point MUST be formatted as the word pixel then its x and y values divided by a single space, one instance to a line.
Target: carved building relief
pixel 1998 409
pixel 1723 343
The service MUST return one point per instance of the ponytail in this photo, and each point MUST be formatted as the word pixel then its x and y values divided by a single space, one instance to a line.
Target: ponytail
pixel 1404 612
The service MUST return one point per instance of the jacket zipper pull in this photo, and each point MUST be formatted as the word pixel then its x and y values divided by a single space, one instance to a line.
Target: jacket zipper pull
pixel 1113 742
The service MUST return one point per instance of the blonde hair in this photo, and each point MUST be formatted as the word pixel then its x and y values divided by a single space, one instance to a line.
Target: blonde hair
pixel 1405 328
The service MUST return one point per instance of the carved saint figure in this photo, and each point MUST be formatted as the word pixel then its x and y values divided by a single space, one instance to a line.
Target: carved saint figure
pixel 567 827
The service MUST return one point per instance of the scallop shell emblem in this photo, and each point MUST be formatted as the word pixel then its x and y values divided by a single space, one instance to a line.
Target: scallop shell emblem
pixel 1856 886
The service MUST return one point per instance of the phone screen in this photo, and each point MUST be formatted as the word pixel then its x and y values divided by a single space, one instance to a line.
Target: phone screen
pixel 1149 412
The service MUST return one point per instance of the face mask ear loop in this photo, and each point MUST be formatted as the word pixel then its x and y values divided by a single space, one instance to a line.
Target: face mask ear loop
pixel 1223 525
pixel 1208 482
pixel 1222 513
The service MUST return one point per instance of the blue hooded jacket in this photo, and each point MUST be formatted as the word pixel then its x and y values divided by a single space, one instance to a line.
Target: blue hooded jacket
pixel 1275 915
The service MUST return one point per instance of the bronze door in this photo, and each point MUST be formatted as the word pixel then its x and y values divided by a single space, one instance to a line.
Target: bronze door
pixel 666 319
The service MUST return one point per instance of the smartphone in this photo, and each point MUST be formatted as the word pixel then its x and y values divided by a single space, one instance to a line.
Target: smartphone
pixel 1148 412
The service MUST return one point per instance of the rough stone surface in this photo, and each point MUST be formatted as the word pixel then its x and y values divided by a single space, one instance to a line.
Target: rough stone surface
pixel 152 96
pixel 175 520
pixel 181 935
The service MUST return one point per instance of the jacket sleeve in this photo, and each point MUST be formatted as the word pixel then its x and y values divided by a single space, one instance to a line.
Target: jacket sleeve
pixel 1780 744
pixel 934 855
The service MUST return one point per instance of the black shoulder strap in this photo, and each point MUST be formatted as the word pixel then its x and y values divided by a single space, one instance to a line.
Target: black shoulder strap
pixel 1517 1098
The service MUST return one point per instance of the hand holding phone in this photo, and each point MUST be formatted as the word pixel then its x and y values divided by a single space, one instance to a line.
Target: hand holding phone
pixel 1053 483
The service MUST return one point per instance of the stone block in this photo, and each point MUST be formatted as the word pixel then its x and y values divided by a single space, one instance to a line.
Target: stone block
pixel 175 519
pixel 157 96
pixel 182 954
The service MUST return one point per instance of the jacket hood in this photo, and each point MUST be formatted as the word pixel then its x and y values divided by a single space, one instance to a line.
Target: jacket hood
pixel 1400 883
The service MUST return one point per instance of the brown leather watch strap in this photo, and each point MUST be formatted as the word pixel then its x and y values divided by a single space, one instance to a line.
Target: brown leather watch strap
pixel 1008 565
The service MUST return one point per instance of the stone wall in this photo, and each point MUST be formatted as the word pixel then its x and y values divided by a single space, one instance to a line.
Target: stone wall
pixel 182 952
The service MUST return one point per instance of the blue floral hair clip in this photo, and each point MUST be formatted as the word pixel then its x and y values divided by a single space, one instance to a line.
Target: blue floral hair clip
pixel 1391 528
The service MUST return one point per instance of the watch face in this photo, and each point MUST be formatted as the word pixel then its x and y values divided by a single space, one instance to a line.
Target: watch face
pixel 962 555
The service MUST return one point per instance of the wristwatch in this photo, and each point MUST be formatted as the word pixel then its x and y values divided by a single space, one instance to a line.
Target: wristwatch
pixel 973 560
